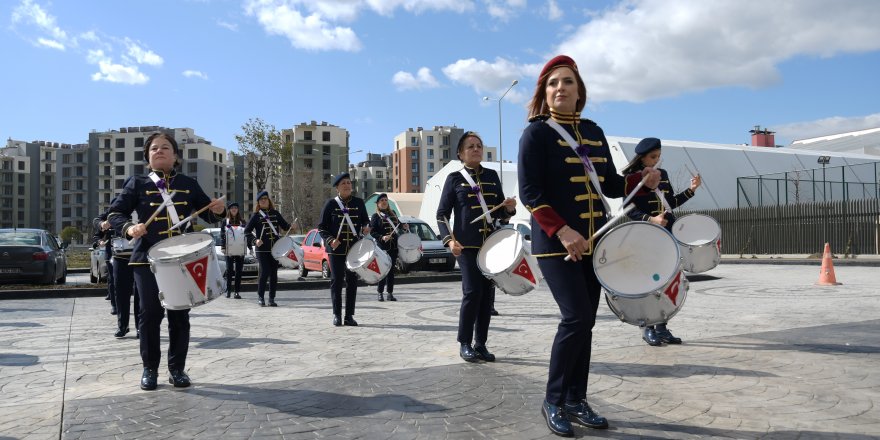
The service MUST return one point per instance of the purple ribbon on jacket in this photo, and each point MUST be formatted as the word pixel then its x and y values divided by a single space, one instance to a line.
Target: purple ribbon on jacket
pixel 476 189
pixel 584 152
pixel 161 184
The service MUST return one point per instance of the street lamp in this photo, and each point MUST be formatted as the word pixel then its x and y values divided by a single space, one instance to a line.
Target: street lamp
pixel 500 147
pixel 823 160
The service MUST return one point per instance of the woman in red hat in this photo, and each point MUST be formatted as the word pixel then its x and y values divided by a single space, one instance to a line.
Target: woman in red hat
pixel 564 168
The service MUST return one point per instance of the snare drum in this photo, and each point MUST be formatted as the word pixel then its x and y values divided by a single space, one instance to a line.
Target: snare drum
pixel 506 261
pixel 699 239
pixel 121 246
pixel 409 248
pixel 639 265
pixel 287 252
pixel 369 262
pixel 187 271
pixel 236 243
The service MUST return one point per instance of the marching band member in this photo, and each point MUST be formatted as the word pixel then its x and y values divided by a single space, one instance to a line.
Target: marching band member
pixel 468 194
pixel 234 263
pixel 181 195
pixel 382 228
pixel 267 225
pixel 649 208
pixel 124 282
pixel 564 163
pixel 103 237
pixel 343 219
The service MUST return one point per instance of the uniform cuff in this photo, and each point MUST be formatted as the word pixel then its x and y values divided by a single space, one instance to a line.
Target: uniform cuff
pixel 549 220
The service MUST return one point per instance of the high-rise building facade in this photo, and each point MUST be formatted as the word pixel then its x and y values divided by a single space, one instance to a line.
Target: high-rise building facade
pixel 418 154
pixel 372 175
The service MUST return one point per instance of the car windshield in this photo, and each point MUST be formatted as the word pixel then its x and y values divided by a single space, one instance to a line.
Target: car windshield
pixel 424 231
pixel 216 235
pixel 298 239
pixel 18 238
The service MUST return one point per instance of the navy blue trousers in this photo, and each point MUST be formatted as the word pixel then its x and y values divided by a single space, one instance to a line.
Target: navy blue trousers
pixel 340 275
pixel 268 274
pixel 478 297
pixel 152 314
pixel 233 270
pixel 124 286
pixel 388 281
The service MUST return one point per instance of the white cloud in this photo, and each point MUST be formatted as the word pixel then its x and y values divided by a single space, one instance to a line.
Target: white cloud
pixel 387 7
pixel 423 79
pixel 553 11
pixel 52 44
pixel 504 9
pixel 494 78
pixel 225 24
pixel 195 74
pixel 141 56
pixel 279 17
pixel 114 72
pixel 31 13
pixel 825 127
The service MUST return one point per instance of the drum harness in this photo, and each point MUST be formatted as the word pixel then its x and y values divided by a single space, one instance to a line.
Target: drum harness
pixel 166 198
pixel 347 218
pixel 479 194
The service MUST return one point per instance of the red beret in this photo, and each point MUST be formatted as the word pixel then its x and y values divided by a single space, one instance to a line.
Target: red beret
pixel 557 61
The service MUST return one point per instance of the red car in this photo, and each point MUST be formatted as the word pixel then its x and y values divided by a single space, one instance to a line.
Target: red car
pixel 314 256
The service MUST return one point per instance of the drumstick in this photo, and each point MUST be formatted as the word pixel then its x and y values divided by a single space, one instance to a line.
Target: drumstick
pixel 446 222
pixel 194 215
pixel 152 217
pixel 489 212
pixel 604 228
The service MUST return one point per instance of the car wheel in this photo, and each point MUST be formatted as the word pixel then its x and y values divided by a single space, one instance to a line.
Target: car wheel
pixel 325 270
pixel 63 279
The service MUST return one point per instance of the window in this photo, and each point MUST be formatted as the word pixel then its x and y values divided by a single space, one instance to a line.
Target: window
pixel 65 172
pixel 326 177
pixel 21 203
pixel 21 190
pixel 139 143
pixel 139 155
pixel 326 149
pixel 192 154
pixel 106 157
pixel 307 135
pixel 21 166
pixel 65 185
pixel 414 141
pixel 48 155
pixel 415 167
pixel 326 164
pixel 79 171
pixel 430 167
pixel 430 153
pixel 446 154
pixel 21 179
pixel 107 170
pixel 79 198
pixel 120 143
pixel 119 183
pixel 192 168
pixel 307 149
pixel 380 174
pixel 106 143
pixel 64 159
pixel 120 156
pixel 79 185
pixel 445 139
pixel 489 156
pixel 120 170
pixel 415 181
pixel 380 185
pixel 79 157
pixel 307 163
pixel 414 154
pixel 65 212
pixel 287 138
pixel 430 140
pixel 325 136
pixel 48 180
pixel 364 175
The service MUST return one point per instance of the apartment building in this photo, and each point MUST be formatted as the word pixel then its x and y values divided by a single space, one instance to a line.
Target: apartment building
pixel 28 183
pixel 418 154
pixel 372 175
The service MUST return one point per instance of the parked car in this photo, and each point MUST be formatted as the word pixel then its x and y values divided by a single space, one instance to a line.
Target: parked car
pixel 314 255
pixel 250 267
pixel 31 255
pixel 98 266
pixel 435 256
pixel 299 239
pixel 523 227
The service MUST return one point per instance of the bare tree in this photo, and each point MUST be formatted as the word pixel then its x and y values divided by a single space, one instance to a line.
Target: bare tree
pixel 261 146
pixel 307 199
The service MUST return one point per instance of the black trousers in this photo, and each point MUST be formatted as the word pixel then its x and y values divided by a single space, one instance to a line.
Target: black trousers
pixel 268 274
pixel 339 275
pixel 478 297
pixel 152 314
pixel 233 270
pixel 111 282
pixel 388 281
pixel 576 290
pixel 124 287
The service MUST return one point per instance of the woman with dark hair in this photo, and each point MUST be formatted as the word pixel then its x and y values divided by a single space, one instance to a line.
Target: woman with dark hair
pixel 649 208
pixel 564 168
pixel 469 193
pixel 181 195
pixel 385 228
pixel 267 226
pixel 234 225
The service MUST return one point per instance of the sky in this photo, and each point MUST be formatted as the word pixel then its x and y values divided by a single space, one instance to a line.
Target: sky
pixel 695 70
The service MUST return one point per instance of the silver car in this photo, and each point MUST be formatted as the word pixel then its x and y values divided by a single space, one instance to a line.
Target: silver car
pixel 435 256
pixel 98 268
pixel 250 267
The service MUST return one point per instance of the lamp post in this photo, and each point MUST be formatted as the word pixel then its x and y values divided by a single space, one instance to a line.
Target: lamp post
pixel 500 147
pixel 823 160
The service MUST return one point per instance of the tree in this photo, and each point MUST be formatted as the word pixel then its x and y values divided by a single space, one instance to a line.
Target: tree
pixel 69 233
pixel 307 200
pixel 261 145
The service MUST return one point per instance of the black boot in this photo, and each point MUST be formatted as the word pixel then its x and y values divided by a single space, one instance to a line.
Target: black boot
pixel 650 336
pixel 483 353
pixel 382 298
pixel 178 378
pixel 237 296
pixel 149 380
pixel 580 412
pixel 391 297
pixel 556 420
pixel 467 353
pixel 666 336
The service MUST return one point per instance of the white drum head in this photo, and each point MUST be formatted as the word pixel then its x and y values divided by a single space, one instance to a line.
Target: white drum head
pixel 636 258
pixel 180 245
pixel 360 253
pixel 696 229
pixel 499 251
pixel 409 240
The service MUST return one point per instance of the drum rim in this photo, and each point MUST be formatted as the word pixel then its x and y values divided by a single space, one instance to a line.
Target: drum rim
pixel 522 249
pixel 695 215
pixel 199 253
pixel 646 293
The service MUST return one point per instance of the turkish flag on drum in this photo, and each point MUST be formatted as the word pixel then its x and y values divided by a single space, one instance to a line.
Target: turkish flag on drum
pixel 292 255
pixel 198 270
pixel 672 290
pixel 374 266
pixel 525 271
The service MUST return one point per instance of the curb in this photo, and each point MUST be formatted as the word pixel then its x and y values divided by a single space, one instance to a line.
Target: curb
pixel 872 262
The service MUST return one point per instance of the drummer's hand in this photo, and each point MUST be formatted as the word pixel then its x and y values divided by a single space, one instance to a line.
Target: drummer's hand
pixel 509 204
pixel 573 242
pixel 334 243
pixel 217 206
pixel 405 227
pixel 258 242
pixel 365 230
pixel 455 247
pixel 653 177
pixel 696 181
pixel 386 237
pixel 105 225
pixel 136 231
pixel 659 219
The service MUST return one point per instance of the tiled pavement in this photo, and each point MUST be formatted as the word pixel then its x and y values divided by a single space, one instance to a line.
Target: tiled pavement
pixel 767 355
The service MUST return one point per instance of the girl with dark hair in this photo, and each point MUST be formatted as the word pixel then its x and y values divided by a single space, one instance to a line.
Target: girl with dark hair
pixel 382 228
pixel 267 226
pixel 232 230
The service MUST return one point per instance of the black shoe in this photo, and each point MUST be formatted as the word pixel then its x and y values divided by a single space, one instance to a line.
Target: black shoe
pixel 391 297
pixel 666 336
pixel 261 302
pixel 483 353
pixel 350 321
pixel 494 312
pixel 121 333
pixel 556 420
pixel 650 336
pixel 581 412
pixel 236 296
pixel 227 294
pixel 337 321
pixel 381 298
pixel 178 378
pixel 113 311
pixel 467 353
pixel 149 380
pixel 272 303
pixel 138 335
pixel 107 298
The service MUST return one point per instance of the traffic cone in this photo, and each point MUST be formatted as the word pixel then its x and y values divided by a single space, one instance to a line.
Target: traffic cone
pixel 826 274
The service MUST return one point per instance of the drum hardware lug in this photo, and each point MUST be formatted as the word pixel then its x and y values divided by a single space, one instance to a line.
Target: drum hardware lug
pixel 658 295
pixel 192 300
pixel 161 296
pixel 152 268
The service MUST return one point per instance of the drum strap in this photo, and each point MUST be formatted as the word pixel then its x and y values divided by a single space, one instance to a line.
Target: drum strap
pixel 347 217
pixel 663 200
pixel 588 166
pixel 388 219
pixel 478 192
pixel 269 221
pixel 166 198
